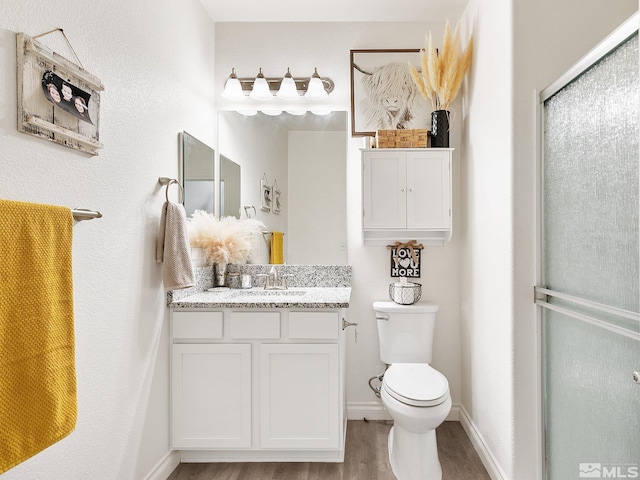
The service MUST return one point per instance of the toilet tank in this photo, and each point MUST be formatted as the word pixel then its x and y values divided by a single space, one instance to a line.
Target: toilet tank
pixel 405 332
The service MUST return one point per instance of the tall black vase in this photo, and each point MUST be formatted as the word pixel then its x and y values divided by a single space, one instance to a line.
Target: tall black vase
pixel 440 128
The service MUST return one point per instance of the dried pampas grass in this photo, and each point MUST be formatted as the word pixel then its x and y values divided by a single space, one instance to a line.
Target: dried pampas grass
pixel 227 240
pixel 442 74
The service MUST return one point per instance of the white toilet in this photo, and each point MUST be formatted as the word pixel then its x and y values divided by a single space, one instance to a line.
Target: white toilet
pixel 415 394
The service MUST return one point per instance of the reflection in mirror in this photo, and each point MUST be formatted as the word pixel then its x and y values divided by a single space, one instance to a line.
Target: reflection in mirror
pixel 196 174
pixel 306 157
pixel 229 188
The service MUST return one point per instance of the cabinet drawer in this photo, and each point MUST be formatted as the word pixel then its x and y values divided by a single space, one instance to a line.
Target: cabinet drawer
pixel 197 324
pixel 255 325
pixel 323 325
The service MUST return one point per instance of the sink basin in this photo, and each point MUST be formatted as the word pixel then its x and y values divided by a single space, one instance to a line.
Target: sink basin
pixel 264 293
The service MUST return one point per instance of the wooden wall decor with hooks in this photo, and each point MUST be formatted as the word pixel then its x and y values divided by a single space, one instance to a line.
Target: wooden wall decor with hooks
pixel 58 100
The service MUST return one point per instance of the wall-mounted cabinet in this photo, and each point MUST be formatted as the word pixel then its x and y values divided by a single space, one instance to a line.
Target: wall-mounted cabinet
pixel 407 195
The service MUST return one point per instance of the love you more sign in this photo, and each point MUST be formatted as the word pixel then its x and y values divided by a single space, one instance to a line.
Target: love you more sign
pixel 405 259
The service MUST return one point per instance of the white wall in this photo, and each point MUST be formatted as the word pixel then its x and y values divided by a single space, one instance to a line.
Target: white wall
pixel 316 198
pixel 156 62
pixel 521 47
pixel 485 232
pixel 303 46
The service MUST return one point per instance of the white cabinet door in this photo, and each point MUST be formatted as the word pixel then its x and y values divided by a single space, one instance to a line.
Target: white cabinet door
pixel 384 189
pixel 211 395
pixel 299 396
pixel 428 190
pixel 406 194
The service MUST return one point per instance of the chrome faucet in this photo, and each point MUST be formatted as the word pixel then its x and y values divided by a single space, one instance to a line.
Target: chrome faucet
pixel 275 281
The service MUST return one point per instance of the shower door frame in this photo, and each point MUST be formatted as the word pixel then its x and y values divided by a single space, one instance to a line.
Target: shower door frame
pixel 541 293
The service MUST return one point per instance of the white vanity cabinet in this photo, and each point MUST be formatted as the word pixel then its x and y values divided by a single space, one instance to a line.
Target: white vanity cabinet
pixel 407 193
pixel 211 395
pixel 258 384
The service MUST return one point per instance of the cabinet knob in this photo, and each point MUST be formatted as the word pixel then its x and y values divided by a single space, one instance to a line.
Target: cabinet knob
pixel 402 189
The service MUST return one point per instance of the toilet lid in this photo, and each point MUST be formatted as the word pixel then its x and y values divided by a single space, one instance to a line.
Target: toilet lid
pixel 416 384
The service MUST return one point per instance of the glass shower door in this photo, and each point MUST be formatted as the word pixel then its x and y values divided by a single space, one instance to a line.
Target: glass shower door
pixel 590 269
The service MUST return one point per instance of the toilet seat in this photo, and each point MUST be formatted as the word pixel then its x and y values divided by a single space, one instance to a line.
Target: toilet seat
pixel 416 384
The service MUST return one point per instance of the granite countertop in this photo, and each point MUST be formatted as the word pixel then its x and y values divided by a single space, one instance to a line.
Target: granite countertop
pixel 296 297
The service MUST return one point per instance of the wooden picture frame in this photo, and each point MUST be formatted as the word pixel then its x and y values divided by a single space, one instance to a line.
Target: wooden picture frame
pixel 383 94
pixel 40 73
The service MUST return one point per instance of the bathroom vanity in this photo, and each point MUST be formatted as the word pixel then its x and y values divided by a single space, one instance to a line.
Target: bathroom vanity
pixel 258 375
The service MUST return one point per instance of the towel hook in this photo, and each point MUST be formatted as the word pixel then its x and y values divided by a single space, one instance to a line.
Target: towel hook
pixel 168 182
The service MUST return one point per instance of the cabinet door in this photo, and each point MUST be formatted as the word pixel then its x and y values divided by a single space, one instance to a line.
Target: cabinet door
pixel 428 190
pixel 299 396
pixel 384 189
pixel 211 396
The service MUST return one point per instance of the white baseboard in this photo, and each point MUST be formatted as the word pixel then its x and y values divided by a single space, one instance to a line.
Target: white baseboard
pixel 484 452
pixel 164 467
pixel 376 411
pixel 369 410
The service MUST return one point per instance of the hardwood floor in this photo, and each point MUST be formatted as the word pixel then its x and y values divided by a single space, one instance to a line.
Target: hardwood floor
pixel 365 459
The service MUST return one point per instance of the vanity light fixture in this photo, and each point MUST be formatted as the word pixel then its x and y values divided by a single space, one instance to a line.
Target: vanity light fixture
pixel 285 88
pixel 288 89
pixel 315 90
pixel 260 90
pixel 232 87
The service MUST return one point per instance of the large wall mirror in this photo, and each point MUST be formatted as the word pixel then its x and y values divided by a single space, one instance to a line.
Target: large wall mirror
pixel 302 159
pixel 197 161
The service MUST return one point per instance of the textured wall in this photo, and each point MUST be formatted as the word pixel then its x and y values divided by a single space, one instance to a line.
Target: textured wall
pixel 156 62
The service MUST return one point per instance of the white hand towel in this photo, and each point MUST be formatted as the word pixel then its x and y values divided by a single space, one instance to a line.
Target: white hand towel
pixel 173 248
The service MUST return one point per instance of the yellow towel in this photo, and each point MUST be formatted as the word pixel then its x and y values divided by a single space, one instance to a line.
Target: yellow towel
pixel 37 358
pixel 276 256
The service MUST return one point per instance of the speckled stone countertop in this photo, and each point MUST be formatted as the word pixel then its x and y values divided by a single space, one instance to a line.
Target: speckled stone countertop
pixel 296 297
pixel 310 286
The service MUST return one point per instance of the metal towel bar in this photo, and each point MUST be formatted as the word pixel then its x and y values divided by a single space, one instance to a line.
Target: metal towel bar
pixel 80 214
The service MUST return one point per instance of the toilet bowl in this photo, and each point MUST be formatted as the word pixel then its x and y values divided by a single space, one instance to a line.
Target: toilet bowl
pixel 415 394
pixel 417 398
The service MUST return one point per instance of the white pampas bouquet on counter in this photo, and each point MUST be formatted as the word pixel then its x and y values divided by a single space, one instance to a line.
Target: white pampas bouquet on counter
pixel 226 240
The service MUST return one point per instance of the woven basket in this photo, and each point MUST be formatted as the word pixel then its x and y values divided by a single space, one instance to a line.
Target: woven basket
pixel 405 294
pixel 414 138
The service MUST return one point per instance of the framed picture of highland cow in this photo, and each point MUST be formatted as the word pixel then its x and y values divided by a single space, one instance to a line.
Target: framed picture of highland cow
pixel 383 95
